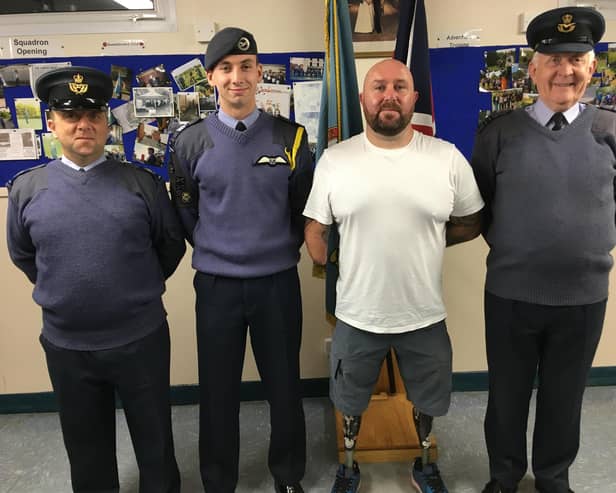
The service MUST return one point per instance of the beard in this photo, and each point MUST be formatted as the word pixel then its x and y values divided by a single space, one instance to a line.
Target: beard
pixel 388 126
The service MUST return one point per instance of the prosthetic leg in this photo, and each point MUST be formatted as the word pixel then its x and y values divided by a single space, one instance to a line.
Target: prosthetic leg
pixel 425 475
pixel 350 430
pixel 423 426
pixel 347 476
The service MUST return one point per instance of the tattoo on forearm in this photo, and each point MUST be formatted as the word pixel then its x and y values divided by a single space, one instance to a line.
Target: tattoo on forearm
pixel 325 233
pixel 471 220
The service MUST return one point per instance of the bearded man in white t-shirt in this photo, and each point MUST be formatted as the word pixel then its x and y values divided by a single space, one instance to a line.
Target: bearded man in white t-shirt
pixel 398 198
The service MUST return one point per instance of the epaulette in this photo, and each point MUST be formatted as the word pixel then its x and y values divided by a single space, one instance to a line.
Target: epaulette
pixel 151 173
pixel 24 172
pixel 180 128
pixel 604 108
pixel 286 120
pixel 490 118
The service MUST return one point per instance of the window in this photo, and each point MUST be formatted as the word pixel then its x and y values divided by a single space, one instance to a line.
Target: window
pixel 606 7
pixel 36 17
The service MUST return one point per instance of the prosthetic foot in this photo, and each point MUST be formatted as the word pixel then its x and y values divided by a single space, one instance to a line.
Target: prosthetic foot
pixel 348 476
pixel 425 475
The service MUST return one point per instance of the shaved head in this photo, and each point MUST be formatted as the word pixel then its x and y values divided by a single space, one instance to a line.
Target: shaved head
pixel 388 101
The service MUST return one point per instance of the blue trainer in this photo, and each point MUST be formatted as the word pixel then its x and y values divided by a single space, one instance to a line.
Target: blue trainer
pixel 427 478
pixel 347 479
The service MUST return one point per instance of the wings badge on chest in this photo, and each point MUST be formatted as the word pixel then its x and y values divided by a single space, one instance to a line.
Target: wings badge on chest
pixel 272 161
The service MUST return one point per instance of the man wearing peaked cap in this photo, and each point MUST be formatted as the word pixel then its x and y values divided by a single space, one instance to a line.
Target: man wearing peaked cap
pixel 566 29
pixel 75 87
pixel 98 238
pixel 246 226
pixel 546 173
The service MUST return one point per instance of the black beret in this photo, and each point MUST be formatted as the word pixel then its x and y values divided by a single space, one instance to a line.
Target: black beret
pixel 69 88
pixel 566 29
pixel 229 41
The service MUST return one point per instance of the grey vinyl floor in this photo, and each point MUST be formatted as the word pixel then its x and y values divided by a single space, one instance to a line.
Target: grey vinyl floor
pixel 33 460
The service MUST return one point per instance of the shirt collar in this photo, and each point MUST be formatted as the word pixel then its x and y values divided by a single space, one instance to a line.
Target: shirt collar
pixel 542 114
pixel 93 164
pixel 231 122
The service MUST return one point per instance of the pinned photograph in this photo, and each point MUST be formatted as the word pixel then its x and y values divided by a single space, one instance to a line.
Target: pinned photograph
pixel 149 149
pixel 508 99
pixel 121 78
pixel 6 120
pixel 207 98
pixel 15 75
pixel 274 74
pixel 154 77
pixel 189 74
pixel 36 70
pixel 153 102
pixel 115 151
pixel 526 55
pixel 188 106
pixel 306 68
pixel 28 113
pixel 115 134
pixel 605 97
pixel 125 116
pixel 497 74
pixel 274 99
pixel 18 144
pixel 307 103
pixel 51 146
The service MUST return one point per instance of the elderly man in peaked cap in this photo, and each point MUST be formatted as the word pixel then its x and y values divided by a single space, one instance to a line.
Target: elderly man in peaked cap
pixel 546 173
pixel 98 238
pixel 240 179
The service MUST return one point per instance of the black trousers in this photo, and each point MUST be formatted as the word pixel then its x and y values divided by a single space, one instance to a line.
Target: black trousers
pixel 85 383
pixel 271 307
pixel 557 344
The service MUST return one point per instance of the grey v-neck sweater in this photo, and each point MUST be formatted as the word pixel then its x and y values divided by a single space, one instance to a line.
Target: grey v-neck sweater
pixel 550 207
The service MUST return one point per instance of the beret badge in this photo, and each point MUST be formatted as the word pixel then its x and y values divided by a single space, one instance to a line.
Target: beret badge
pixel 243 43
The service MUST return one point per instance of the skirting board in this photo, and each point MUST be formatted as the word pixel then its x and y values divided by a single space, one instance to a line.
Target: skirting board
pixel 44 402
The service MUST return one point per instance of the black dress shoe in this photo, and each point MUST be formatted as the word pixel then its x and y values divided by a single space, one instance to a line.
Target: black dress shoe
pixel 495 487
pixel 289 488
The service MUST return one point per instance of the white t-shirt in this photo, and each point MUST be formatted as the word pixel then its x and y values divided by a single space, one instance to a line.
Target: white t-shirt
pixel 391 206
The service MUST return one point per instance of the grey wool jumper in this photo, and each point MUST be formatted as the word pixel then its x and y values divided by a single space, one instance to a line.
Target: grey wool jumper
pixel 98 246
pixel 550 206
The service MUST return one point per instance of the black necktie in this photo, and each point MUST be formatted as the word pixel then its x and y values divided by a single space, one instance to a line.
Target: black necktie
pixel 558 120
pixel 240 126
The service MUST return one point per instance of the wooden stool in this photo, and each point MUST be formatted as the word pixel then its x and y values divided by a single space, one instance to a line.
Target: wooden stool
pixel 387 432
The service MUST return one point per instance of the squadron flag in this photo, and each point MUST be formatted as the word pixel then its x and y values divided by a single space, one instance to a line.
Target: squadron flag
pixel 340 116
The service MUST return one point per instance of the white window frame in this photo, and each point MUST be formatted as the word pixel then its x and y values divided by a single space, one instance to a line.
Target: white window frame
pixel 606 7
pixel 163 19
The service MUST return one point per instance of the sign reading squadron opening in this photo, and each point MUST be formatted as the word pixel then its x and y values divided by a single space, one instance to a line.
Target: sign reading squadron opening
pixel 35 47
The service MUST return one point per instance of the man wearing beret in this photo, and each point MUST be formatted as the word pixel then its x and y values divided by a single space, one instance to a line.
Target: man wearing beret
pixel 98 238
pixel 240 179
pixel 546 173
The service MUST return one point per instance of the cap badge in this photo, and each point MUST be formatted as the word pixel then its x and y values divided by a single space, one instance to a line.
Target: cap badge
pixel 567 25
pixel 78 87
pixel 243 44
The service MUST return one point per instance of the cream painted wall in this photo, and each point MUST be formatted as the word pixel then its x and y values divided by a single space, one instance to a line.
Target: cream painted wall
pixel 279 25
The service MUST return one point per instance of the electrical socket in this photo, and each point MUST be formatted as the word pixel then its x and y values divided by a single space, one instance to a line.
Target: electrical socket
pixel 327 345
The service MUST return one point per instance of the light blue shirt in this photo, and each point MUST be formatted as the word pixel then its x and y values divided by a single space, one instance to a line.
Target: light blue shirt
pixel 542 114
pixel 93 164
pixel 229 121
